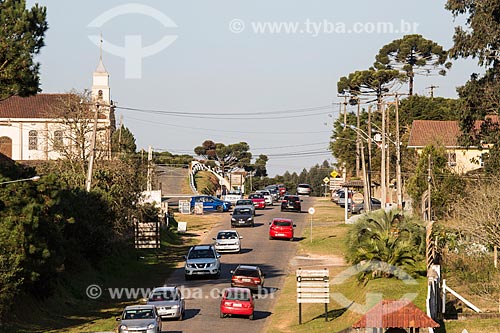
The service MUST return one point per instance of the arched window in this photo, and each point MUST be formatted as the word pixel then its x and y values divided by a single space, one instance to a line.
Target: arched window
pixel 33 140
pixel 6 146
pixel 99 94
pixel 58 140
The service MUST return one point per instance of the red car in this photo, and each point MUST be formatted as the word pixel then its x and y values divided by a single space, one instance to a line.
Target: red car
pixel 258 200
pixel 281 228
pixel 237 301
pixel 247 276
pixel 282 190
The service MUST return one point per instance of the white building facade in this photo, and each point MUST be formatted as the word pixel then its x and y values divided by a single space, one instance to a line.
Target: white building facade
pixel 39 128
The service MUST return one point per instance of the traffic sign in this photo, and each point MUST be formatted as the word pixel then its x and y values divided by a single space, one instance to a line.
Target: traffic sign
pixel 326 180
pixel 358 198
pixel 311 210
pixel 334 174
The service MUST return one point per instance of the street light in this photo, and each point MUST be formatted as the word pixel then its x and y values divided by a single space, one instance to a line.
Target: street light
pixel 34 179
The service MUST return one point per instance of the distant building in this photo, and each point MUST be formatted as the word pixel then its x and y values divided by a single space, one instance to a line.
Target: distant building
pixel 446 133
pixel 44 126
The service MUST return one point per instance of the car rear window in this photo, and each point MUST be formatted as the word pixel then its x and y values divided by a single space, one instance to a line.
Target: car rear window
pixel 282 223
pixel 247 272
pixel 165 295
pixel 244 202
pixel 239 295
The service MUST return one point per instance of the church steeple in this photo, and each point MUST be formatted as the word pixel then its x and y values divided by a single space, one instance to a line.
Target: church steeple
pixel 100 81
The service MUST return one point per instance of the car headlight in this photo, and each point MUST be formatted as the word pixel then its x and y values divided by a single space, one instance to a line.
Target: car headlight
pixel 190 265
pixel 175 306
pixel 210 265
pixel 151 326
pixel 123 327
pixel 233 219
pixel 249 219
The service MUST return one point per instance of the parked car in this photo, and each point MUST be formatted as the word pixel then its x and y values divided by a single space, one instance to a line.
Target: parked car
pixel 359 208
pixel 237 301
pixel 336 194
pixel 168 301
pixel 268 198
pixel 291 202
pixel 258 200
pixel 211 203
pixel 202 260
pixel 227 241
pixel 304 189
pixel 281 228
pixel 242 216
pixel 139 318
pixel 341 199
pixel 247 276
pixel 248 203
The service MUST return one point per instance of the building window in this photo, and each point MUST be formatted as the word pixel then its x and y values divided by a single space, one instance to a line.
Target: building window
pixel 99 94
pixel 452 158
pixel 33 140
pixel 58 140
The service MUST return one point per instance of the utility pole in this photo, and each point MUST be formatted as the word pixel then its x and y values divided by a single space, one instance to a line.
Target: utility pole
pixel 432 87
pixel 399 185
pixel 150 171
pixel 357 137
pixel 345 95
pixel 120 136
pixel 383 188
pixel 429 179
pixel 387 154
pixel 369 157
pixel 92 150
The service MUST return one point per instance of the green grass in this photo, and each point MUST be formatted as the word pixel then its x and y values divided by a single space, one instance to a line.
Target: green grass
pixel 328 240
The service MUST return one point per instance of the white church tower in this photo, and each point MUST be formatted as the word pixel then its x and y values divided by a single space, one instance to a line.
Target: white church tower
pixel 100 83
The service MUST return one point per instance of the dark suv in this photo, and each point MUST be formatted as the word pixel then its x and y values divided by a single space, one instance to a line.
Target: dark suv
pixel 291 202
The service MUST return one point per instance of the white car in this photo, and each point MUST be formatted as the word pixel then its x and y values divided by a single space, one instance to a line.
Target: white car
pixel 304 189
pixel 267 196
pixel 227 241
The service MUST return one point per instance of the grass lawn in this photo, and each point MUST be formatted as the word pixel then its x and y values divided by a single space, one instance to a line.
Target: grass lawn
pixel 328 240
pixel 70 310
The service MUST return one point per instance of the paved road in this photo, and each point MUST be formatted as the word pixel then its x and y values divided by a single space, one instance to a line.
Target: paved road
pixel 273 256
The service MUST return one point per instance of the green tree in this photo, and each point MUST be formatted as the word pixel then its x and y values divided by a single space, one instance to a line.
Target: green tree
pixel 227 158
pixel 123 141
pixel 427 108
pixel 21 38
pixel 382 241
pixel 413 54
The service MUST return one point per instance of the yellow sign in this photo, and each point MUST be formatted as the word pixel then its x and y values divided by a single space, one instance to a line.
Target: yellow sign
pixel 326 180
pixel 334 174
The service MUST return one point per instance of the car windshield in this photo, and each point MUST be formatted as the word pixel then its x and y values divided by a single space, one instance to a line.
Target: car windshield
pixel 198 254
pixel 227 235
pixel 162 295
pixel 138 314
pixel 246 272
pixel 244 202
pixel 282 223
pixel 242 211
pixel 255 196
pixel 238 295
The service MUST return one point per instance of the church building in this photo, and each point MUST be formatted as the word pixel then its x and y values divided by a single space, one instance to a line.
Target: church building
pixel 57 126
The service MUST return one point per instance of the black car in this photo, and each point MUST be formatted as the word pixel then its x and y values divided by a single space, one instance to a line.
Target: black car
pixel 291 202
pixel 242 216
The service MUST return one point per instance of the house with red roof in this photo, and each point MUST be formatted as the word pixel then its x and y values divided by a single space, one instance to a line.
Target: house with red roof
pixel 47 127
pixel 446 133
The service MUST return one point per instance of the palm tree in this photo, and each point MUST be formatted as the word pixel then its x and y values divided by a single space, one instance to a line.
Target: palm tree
pixel 384 242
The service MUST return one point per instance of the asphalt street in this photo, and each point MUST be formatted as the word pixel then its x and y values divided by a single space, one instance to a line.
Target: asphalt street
pixel 273 256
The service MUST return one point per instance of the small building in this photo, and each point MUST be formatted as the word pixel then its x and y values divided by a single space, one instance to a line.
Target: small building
pixel 54 126
pixel 395 316
pixel 446 133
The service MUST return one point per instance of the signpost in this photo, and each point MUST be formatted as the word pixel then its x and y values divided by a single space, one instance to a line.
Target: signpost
pixel 311 212
pixel 147 235
pixel 184 207
pixel 313 286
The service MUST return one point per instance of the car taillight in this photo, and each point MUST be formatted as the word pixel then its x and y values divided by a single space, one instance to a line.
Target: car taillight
pixel 226 303
pixel 256 280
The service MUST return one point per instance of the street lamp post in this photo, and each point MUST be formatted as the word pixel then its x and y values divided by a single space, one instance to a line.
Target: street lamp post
pixel 34 178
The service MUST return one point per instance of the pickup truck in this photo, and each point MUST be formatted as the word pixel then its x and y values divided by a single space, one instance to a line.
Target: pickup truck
pixel 233 196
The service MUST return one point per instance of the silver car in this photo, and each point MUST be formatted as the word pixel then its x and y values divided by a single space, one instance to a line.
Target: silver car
pixel 168 301
pixel 246 203
pixel 202 260
pixel 228 241
pixel 139 318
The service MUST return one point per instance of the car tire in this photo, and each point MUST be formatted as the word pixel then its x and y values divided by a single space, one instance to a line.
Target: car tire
pixel 220 209
pixel 253 224
pixel 251 316
pixel 221 314
pixel 181 316
pixel 270 238
pixel 187 277
pixel 291 239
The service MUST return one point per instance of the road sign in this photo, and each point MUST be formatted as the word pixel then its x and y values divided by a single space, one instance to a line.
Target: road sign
pixel 311 210
pixel 358 198
pixel 326 180
pixel 313 286
pixel 334 174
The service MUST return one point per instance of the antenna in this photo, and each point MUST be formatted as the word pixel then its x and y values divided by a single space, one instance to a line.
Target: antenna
pixel 100 47
pixel 432 87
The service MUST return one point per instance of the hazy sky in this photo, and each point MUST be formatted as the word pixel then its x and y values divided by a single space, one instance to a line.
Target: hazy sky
pixel 194 61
